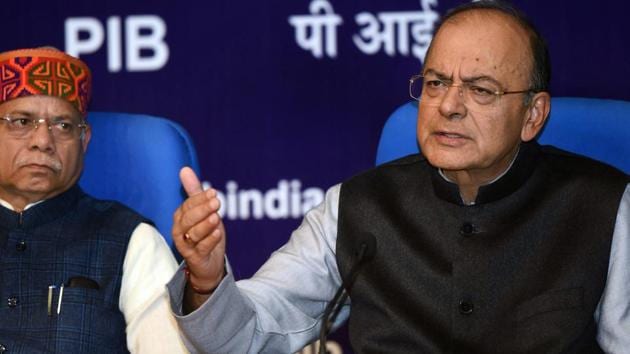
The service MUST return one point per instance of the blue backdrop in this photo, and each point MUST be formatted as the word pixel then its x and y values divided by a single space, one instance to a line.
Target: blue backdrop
pixel 286 98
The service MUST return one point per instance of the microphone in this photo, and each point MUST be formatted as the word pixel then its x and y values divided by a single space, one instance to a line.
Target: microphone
pixel 364 252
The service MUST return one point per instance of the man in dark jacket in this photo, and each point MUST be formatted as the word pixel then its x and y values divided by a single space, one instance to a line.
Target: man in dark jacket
pixel 77 275
pixel 485 243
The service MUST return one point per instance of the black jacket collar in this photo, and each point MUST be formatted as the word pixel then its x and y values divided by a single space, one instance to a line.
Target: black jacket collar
pixel 512 180
pixel 42 213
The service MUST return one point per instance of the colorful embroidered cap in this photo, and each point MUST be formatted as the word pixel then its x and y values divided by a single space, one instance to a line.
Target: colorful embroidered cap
pixel 45 71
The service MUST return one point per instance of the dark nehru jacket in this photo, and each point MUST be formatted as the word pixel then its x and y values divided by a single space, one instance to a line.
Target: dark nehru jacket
pixel 521 271
pixel 66 236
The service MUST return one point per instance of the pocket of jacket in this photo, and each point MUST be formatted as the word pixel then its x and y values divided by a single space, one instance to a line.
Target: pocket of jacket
pixel 555 300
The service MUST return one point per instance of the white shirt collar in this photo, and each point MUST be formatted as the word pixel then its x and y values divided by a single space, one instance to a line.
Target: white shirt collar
pixel 6 204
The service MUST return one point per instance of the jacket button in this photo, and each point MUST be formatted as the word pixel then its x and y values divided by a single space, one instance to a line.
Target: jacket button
pixel 3 349
pixel 467 229
pixel 466 307
pixel 12 301
pixel 21 246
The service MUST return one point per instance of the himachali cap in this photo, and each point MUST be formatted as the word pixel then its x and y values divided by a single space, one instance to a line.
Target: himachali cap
pixel 45 71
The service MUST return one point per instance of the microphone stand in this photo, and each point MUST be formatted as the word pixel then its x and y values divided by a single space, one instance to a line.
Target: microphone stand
pixel 366 251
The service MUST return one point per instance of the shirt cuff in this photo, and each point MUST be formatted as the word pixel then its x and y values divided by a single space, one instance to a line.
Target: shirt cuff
pixel 224 314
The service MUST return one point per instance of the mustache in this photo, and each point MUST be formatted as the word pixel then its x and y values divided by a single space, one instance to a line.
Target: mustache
pixel 43 160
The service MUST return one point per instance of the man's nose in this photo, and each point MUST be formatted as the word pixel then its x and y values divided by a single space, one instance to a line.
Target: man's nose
pixel 452 104
pixel 41 137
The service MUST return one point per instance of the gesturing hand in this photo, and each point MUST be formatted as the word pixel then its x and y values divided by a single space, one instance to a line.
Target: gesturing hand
pixel 199 234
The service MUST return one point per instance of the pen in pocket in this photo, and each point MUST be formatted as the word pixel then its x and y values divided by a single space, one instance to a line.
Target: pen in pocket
pixel 50 295
pixel 73 282
pixel 60 297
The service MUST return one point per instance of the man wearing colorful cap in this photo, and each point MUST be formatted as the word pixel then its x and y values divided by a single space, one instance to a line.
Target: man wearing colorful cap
pixel 77 275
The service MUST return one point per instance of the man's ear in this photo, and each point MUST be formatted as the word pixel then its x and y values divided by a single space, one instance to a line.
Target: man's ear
pixel 85 140
pixel 537 114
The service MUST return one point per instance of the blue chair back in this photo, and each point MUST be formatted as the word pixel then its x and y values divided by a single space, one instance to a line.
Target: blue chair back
pixel 597 128
pixel 135 159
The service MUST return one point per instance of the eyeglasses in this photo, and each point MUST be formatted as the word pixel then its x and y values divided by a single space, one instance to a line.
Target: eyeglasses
pixel 432 91
pixel 62 129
